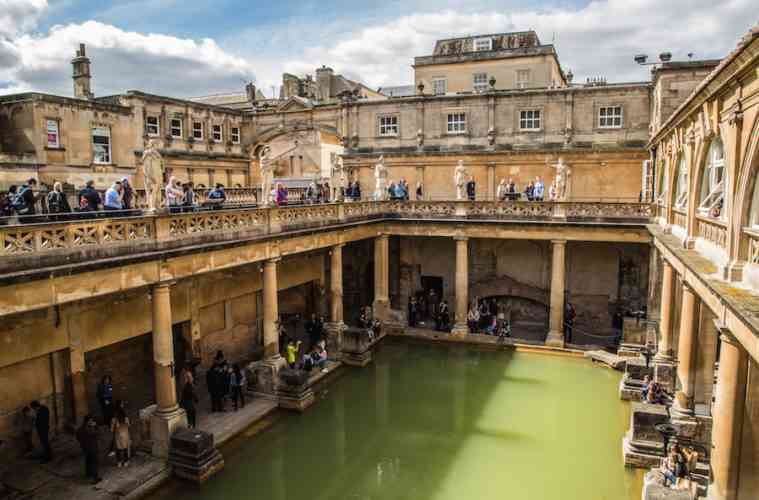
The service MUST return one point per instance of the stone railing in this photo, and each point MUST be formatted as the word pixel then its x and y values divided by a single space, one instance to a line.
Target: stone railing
pixel 679 219
pixel 753 245
pixel 711 230
pixel 51 237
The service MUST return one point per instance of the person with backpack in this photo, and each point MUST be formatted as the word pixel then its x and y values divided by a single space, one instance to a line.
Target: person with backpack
pixel 188 200
pixel 89 198
pixel 217 197
pixel 57 202
pixel 24 201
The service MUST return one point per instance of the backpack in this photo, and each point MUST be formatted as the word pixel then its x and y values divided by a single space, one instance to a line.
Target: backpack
pixel 19 203
pixel 83 204
pixel 54 202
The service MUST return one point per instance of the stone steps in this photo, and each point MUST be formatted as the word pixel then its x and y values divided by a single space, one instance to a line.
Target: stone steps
pixel 612 360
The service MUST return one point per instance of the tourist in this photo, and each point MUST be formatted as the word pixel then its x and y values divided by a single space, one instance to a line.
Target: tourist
pixel 471 189
pixel 226 386
pixel 646 387
pixel 219 357
pixel 89 199
pixel 214 383
pixel 413 310
pixel 26 424
pixel 570 314
pixel 374 329
pixel 87 435
pixel 529 191
pixel 187 401
pixel 538 190
pixel 500 192
pixel 292 352
pixel 120 430
pixel 668 468
pixel 127 194
pixel 357 191
pixel 552 191
pixel 473 318
pixel 42 425
pixel 444 316
pixel 238 383
pixel 188 197
pixel 326 190
pixel 319 357
pixel 492 327
pixel 57 202
pixel 349 191
pixel 690 456
pixel 217 197
pixel 311 330
pixel 186 375
pixel 513 191
pixel 419 191
pixel 280 198
pixel 25 201
pixel 363 321
pixel 174 195
pixel 104 396
pixel 113 198
pixel 311 192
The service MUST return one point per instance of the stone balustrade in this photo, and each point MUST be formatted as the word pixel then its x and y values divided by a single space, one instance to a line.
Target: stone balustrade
pixel 78 235
pixel 711 230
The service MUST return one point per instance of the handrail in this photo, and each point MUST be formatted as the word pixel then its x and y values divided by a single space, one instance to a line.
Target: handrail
pixel 134 227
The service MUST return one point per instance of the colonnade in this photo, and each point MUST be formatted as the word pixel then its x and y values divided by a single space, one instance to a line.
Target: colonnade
pixel 696 325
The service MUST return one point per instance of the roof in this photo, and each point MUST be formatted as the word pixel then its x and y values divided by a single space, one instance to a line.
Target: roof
pixel 499 41
pixel 69 101
pixel 235 100
pixel 398 91
pixel 744 42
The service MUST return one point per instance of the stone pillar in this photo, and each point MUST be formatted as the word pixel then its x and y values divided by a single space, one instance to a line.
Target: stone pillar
pixel 271 310
pixel 686 352
pixel 665 318
pixel 381 270
pixel 555 336
pixel 78 384
pixel 462 285
pixel 335 326
pixel 728 419
pixel 168 416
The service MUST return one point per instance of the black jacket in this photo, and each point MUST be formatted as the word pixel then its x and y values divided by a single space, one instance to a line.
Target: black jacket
pixel 89 199
pixel 42 418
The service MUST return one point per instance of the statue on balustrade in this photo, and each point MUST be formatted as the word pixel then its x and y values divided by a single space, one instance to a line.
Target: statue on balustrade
pixel 338 179
pixel 460 176
pixel 267 172
pixel 152 172
pixel 561 181
pixel 380 180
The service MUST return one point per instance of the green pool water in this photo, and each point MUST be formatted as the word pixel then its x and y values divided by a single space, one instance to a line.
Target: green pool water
pixel 428 422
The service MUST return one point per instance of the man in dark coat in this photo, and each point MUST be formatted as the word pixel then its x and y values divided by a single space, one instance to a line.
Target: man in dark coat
pixel 87 435
pixel 42 424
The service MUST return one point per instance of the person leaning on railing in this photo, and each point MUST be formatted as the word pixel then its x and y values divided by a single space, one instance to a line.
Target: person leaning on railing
pixel 89 199
pixel 57 202
pixel 217 197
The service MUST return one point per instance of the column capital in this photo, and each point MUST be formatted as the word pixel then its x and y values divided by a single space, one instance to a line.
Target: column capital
pixel 272 261
pixel 337 245
pixel 461 238
pixel 162 286
pixel 559 242
pixel 383 236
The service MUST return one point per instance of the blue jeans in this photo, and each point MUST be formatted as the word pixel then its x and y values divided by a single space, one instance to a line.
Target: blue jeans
pixel 669 478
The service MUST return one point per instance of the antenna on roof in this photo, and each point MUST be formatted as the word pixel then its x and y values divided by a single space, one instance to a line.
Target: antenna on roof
pixel 553 38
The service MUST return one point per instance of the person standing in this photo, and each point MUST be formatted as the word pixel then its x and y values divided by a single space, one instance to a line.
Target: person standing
pixel 27 429
pixel 112 201
pixel 120 430
pixel 89 199
pixel 238 383
pixel 87 435
pixel 174 195
pixel 105 399
pixel 42 425
pixel 57 203
pixel 538 190
pixel 471 189
pixel 412 311
pixel 127 194
pixel 419 190
pixel 188 198
pixel 529 191
pixel 292 352
pixel 187 402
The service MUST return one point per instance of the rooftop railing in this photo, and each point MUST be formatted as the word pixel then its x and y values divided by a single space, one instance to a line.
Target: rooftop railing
pixel 88 231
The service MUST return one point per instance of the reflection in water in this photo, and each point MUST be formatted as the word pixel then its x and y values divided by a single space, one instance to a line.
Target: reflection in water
pixel 440 423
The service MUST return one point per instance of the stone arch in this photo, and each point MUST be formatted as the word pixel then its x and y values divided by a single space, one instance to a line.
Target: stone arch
pixel 746 177
pixel 299 150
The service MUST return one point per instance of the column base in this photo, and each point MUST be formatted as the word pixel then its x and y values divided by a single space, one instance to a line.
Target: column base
pixel 162 426
pixel 555 339
pixel 266 374
pixel 294 391
pixel 681 407
pixel 359 359
pixel 381 309
pixel 334 339
pixel 460 330
pixel 665 373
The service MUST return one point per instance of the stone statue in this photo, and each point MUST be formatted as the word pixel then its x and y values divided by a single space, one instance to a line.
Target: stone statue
pixel 419 138
pixel 380 180
pixel 338 178
pixel 152 171
pixel 561 181
pixel 459 179
pixel 267 173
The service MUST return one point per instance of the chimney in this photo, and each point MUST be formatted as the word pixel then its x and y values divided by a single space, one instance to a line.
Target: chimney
pixel 250 90
pixel 82 75
pixel 324 83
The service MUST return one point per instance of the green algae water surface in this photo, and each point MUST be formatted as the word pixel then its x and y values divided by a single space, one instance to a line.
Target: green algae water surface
pixel 440 423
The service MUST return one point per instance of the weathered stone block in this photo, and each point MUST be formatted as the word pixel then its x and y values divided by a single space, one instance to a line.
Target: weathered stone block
pixel 193 455
pixel 162 427
pixel 356 347
pixel 654 489
pixel 643 446
pixel 665 373
pixel 294 391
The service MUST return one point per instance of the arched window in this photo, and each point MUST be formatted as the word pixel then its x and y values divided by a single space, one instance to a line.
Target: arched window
pixel 663 188
pixel 753 215
pixel 713 181
pixel 681 188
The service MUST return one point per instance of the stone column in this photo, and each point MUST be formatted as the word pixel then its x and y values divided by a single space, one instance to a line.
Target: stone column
pixel 686 352
pixel 271 310
pixel 381 304
pixel 168 416
pixel 728 419
pixel 665 319
pixel 462 285
pixel 555 336
pixel 335 326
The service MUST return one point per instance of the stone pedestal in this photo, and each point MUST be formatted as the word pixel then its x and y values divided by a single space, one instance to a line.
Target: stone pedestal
pixel 193 455
pixel 334 333
pixel 265 374
pixel 693 429
pixel 631 385
pixel 162 428
pixel 654 489
pixel 634 331
pixel 356 347
pixel 664 374
pixel 293 390
pixel 643 446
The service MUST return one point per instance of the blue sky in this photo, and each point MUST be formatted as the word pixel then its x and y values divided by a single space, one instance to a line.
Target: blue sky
pixel 194 48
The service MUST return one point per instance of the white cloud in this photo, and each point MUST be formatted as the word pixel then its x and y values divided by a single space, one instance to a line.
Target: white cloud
pixel 17 16
pixel 598 39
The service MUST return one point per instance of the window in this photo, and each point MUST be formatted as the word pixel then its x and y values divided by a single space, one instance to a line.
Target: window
pixel 664 185
pixel 439 86
pixel 235 135
pixel 176 128
pixel 101 145
pixel 197 130
pixel 53 137
pixel 456 123
pixel 151 126
pixel 681 191
pixel 483 44
pixel 610 117
pixel 216 133
pixel 388 125
pixel 480 82
pixel 523 78
pixel 529 119
pixel 713 181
